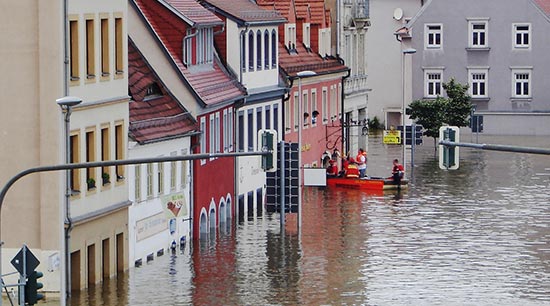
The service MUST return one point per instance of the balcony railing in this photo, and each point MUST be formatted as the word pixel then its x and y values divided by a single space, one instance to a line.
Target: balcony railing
pixel 355 84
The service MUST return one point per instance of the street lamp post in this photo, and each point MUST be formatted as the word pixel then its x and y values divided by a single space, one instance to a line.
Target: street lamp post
pixel 300 75
pixel 66 104
pixel 403 138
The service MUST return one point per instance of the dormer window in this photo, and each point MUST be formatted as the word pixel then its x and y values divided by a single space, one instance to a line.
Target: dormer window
pixel 307 35
pixel 198 47
pixel 290 36
pixel 152 91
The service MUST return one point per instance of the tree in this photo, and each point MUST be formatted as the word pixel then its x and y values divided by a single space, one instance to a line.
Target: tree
pixel 433 114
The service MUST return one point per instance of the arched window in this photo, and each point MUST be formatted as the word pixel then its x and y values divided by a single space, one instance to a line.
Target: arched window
pixel 251 50
pixel 259 50
pixel 273 49
pixel 266 49
pixel 243 52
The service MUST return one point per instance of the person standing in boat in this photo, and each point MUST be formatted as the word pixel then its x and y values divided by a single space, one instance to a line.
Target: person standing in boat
pixel 361 161
pixel 398 172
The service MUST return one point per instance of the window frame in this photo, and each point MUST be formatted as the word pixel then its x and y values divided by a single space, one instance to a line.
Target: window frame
pixel 119 45
pixel 472 82
pixel 522 71
pixel 523 33
pixel 432 34
pixel 472 37
pixel 427 83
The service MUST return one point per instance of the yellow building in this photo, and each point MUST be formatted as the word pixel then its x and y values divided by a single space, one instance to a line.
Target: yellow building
pixel 52 49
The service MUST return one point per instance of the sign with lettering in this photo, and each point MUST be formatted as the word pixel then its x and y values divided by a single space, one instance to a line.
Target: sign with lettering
pixel 392 137
pixel 175 205
pixel 150 226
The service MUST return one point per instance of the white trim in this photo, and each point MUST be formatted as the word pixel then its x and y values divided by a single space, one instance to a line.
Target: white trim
pixel 525 35
pixel 433 72
pixel 482 34
pixel 480 77
pixel 433 32
pixel 529 81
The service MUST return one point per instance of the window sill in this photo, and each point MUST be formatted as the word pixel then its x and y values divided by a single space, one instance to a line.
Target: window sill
pixel 478 48
pixel 481 99
pixel 517 99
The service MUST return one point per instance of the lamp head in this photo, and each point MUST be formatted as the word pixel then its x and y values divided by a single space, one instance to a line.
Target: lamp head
pixel 409 51
pixel 68 101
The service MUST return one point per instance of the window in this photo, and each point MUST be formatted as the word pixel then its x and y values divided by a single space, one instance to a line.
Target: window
pixel 105 149
pixel 119 150
pixel 333 103
pixel 478 34
pixel 204 46
pixel 119 41
pixel 259 50
pixel 90 156
pixel 268 117
pixel 243 53
pixel 273 49
pixel 276 119
pixel 305 108
pixel 137 183
pixel 433 36
pixel 266 49
pixel 160 178
pixel 203 138
pixel 259 120
pixel 183 171
pixel 296 111
pixel 314 109
pixel 105 71
pixel 211 132
pixel 90 49
pixel 288 125
pixel 149 180
pixel 522 83
pixel 74 154
pixel 173 172
pixel 324 105
pixel 217 134
pixel 73 49
pixel 225 132
pixel 241 131
pixel 432 80
pixel 230 131
pixel 522 33
pixel 251 50
pixel 478 83
pixel 250 129
pixel 307 35
pixel 290 36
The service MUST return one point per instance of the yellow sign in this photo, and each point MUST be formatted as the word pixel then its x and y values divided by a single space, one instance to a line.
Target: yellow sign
pixel 392 137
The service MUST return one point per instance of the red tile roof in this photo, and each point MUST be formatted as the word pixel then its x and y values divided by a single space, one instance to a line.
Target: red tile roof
pixel 157 118
pixel 291 64
pixel 193 11
pixel 212 86
pixel 245 10
pixel 317 11
pixel 544 5
pixel 282 6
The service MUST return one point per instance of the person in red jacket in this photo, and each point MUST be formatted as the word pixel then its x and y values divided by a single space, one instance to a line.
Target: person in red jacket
pixel 397 171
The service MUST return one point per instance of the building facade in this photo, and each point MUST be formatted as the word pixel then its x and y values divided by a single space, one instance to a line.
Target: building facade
pixel 500 53
pixel 254 58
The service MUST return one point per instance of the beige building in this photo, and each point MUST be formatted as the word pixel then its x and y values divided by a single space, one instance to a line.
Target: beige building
pixel 32 133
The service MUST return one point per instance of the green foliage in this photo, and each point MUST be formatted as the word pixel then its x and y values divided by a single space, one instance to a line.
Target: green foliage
pixel 374 124
pixel 453 110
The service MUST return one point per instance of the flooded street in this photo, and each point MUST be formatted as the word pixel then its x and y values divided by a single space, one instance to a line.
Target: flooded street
pixel 479 235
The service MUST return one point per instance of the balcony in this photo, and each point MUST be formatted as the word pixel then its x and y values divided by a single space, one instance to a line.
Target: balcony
pixel 355 84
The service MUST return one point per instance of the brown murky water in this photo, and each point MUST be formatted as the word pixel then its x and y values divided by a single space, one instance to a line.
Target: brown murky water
pixel 476 236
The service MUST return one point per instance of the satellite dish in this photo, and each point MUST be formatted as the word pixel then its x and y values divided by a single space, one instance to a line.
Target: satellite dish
pixel 398 14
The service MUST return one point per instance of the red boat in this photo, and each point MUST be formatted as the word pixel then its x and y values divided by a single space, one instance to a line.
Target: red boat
pixel 370 183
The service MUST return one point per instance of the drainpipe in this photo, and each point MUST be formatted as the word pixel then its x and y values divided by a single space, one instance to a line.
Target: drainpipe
pixel 241 49
pixel 338 2
pixel 67 223
pixel 342 95
pixel 187 37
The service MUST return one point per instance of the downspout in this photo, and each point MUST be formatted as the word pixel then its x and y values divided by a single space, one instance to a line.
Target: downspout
pixel 187 37
pixel 241 49
pixel 68 223
pixel 342 95
pixel 338 32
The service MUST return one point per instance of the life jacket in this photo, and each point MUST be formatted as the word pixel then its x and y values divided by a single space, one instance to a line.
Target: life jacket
pixel 358 157
pixel 352 171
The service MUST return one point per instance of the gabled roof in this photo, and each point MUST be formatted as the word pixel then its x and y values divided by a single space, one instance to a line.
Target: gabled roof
pixel 544 5
pixel 211 86
pixel 153 119
pixel 245 11
pixel 316 9
pixel 192 12
pixel 291 64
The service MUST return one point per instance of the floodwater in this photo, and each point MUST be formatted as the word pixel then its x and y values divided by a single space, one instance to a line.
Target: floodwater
pixel 479 235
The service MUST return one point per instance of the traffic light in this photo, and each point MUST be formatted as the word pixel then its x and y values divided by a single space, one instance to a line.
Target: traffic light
pixel 268 142
pixel 448 155
pixel 32 287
